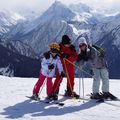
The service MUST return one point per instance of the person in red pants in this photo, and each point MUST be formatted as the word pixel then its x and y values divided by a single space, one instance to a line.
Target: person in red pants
pixel 49 63
pixel 68 56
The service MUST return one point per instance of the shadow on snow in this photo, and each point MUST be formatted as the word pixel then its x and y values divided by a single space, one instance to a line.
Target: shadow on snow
pixel 42 109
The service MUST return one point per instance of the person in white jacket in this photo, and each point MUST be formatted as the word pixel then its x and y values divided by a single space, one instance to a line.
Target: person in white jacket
pixel 49 63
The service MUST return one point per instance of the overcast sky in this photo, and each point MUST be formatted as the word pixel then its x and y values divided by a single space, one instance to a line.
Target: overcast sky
pixel 44 4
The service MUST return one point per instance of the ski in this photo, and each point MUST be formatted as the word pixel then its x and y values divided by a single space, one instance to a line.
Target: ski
pixel 55 102
pixel 47 101
pixel 69 97
pixel 99 100
pixel 30 97
pixel 113 98
pixel 105 100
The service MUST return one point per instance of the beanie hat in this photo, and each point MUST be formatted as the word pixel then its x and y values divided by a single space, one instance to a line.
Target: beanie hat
pixel 65 40
pixel 82 41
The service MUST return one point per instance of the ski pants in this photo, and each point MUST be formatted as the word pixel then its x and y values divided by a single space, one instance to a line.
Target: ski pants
pixel 40 83
pixel 69 70
pixel 100 74
pixel 57 83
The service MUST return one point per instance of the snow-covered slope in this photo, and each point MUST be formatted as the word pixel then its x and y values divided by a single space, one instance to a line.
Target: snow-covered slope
pixel 14 104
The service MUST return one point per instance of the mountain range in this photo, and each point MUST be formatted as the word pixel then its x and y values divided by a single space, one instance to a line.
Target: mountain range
pixel 30 38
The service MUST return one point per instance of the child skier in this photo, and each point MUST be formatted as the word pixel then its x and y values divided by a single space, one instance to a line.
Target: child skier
pixel 49 63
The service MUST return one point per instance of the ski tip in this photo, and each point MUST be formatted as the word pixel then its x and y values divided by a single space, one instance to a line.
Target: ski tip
pixel 28 97
pixel 61 104
pixel 100 101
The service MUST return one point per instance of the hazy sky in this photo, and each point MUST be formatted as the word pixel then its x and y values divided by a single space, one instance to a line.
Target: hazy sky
pixel 44 4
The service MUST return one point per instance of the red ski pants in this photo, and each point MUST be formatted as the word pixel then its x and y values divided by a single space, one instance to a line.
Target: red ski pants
pixel 69 70
pixel 40 83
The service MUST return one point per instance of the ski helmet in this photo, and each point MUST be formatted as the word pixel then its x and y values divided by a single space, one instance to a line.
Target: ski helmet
pixel 54 47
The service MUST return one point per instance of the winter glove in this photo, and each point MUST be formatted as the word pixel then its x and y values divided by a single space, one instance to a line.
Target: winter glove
pixel 50 67
pixel 65 55
pixel 62 74
pixel 85 58
pixel 79 58
pixel 82 57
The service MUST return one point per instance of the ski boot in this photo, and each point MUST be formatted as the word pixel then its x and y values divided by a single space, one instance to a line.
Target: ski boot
pixel 49 97
pixel 96 96
pixel 67 93
pixel 71 94
pixel 75 95
pixel 54 96
pixel 35 97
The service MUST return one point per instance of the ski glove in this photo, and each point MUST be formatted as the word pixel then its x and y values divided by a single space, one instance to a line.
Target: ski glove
pixel 65 55
pixel 82 57
pixel 62 74
pixel 50 67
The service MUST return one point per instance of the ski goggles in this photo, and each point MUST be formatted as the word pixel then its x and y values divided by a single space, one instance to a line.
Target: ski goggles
pixel 54 51
pixel 82 44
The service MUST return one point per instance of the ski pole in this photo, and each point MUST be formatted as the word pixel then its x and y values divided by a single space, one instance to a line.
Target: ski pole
pixel 82 86
pixel 42 86
pixel 79 88
pixel 45 81
pixel 79 68
pixel 68 77
pixel 55 90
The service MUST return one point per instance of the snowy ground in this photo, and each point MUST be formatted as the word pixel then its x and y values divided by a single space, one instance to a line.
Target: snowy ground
pixel 14 104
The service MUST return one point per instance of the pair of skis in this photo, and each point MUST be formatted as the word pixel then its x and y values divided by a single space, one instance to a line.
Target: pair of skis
pixel 100 100
pixel 114 98
pixel 47 101
pixel 86 99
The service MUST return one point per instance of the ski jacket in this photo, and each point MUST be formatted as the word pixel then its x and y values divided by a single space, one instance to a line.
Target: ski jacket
pixel 49 61
pixel 69 51
pixel 95 59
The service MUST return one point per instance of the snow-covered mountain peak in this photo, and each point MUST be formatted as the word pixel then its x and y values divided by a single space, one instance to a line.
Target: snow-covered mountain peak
pixel 80 8
pixel 7 20
pixel 58 4
pixel 11 15
pixel 17 16
pixel 58 11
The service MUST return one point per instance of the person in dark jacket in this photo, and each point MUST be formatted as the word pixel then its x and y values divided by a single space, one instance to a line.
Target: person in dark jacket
pixel 99 68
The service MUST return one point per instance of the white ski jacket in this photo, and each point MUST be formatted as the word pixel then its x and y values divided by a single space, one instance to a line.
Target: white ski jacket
pixel 44 66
